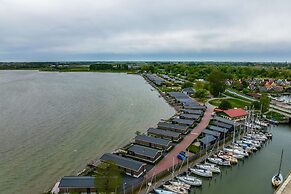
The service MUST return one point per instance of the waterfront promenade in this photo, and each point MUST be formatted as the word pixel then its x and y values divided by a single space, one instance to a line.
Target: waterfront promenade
pixel 167 162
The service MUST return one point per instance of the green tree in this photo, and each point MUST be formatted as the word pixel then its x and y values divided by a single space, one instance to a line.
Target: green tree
pixel 187 85
pixel 216 82
pixel 256 105
pixel 108 178
pixel 224 105
pixel 265 102
pixel 201 93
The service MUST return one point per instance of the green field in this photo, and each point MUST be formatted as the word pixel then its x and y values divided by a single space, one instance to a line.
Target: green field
pixel 235 103
pixel 275 116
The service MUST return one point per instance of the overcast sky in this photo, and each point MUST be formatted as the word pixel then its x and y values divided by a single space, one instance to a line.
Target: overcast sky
pixel 237 30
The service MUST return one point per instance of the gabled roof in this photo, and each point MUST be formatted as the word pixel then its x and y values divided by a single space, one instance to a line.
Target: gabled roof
pixel 172 126
pixel 236 112
pixel 123 162
pixel 154 140
pixel 223 120
pixel 188 122
pixel 144 151
pixel 190 116
pixel 207 139
pixel 219 129
pixel 77 182
pixel 189 111
pixel 210 132
pixel 224 125
pixel 164 132
pixel 194 107
pixel 189 90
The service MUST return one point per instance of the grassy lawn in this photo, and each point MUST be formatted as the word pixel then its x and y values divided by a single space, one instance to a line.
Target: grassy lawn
pixel 235 103
pixel 193 148
pixel 235 96
pixel 275 116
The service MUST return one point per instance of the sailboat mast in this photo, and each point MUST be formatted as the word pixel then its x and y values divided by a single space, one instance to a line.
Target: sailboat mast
pixel 280 162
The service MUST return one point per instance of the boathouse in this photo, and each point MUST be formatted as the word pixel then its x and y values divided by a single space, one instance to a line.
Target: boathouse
pixel 153 142
pixel 77 184
pixel 224 120
pixel 173 127
pixel 218 129
pixel 165 134
pixel 210 132
pixel 184 122
pixel 131 167
pixel 190 111
pixel 223 125
pixel 144 153
pixel 155 79
pixel 190 116
pixel 194 107
pixel 207 140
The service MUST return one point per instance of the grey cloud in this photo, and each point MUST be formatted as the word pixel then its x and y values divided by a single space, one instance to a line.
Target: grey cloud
pixel 90 29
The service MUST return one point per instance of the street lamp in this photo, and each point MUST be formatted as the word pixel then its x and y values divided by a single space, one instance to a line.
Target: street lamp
pixel 124 188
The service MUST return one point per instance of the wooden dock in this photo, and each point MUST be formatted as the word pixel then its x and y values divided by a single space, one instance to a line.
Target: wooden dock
pixel 285 188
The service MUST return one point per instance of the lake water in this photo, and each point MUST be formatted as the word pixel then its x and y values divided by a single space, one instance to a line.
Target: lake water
pixel 52 124
pixel 253 176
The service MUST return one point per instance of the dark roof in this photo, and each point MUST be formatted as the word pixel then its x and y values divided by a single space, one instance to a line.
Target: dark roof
pixel 193 106
pixel 224 125
pixel 172 126
pixel 77 182
pixel 183 121
pixel 123 162
pixel 210 132
pixel 207 139
pixel 154 78
pixel 219 129
pixel 190 116
pixel 164 132
pixel 153 140
pixel 189 111
pixel 227 121
pixel 144 151
pixel 178 95
pixel 189 90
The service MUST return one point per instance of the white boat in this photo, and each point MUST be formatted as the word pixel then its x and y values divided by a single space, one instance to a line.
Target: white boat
pixel 190 180
pixel 213 168
pixel 278 178
pixel 201 172
pixel 180 184
pixel 176 189
pixel 235 151
pixel 219 161
pixel 162 191
pixel 228 157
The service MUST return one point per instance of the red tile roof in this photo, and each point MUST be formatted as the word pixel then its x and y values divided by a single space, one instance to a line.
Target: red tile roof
pixel 236 112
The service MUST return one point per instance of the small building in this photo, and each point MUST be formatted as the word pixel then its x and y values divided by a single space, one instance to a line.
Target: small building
pixel 153 142
pixel 188 91
pixel 223 125
pixel 77 184
pixel 190 116
pixel 184 122
pixel 236 114
pixel 194 107
pixel 173 127
pixel 190 111
pixel 165 134
pixel 207 140
pixel 224 120
pixel 210 132
pixel 144 153
pixel 131 167
pixel 218 129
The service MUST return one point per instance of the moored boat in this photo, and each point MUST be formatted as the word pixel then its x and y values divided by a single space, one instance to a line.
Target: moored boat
pixel 201 172
pixel 190 180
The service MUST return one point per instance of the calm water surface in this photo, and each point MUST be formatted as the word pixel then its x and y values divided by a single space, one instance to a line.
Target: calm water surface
pixel 253 176
pixel 52 124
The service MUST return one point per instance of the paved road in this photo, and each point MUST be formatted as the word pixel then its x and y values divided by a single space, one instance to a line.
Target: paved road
pixel 167 161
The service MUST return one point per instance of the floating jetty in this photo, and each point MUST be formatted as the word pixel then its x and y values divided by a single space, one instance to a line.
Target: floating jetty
pixel 285 188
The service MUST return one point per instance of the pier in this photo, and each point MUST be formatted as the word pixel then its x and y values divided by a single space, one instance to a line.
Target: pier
pixel 285 188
